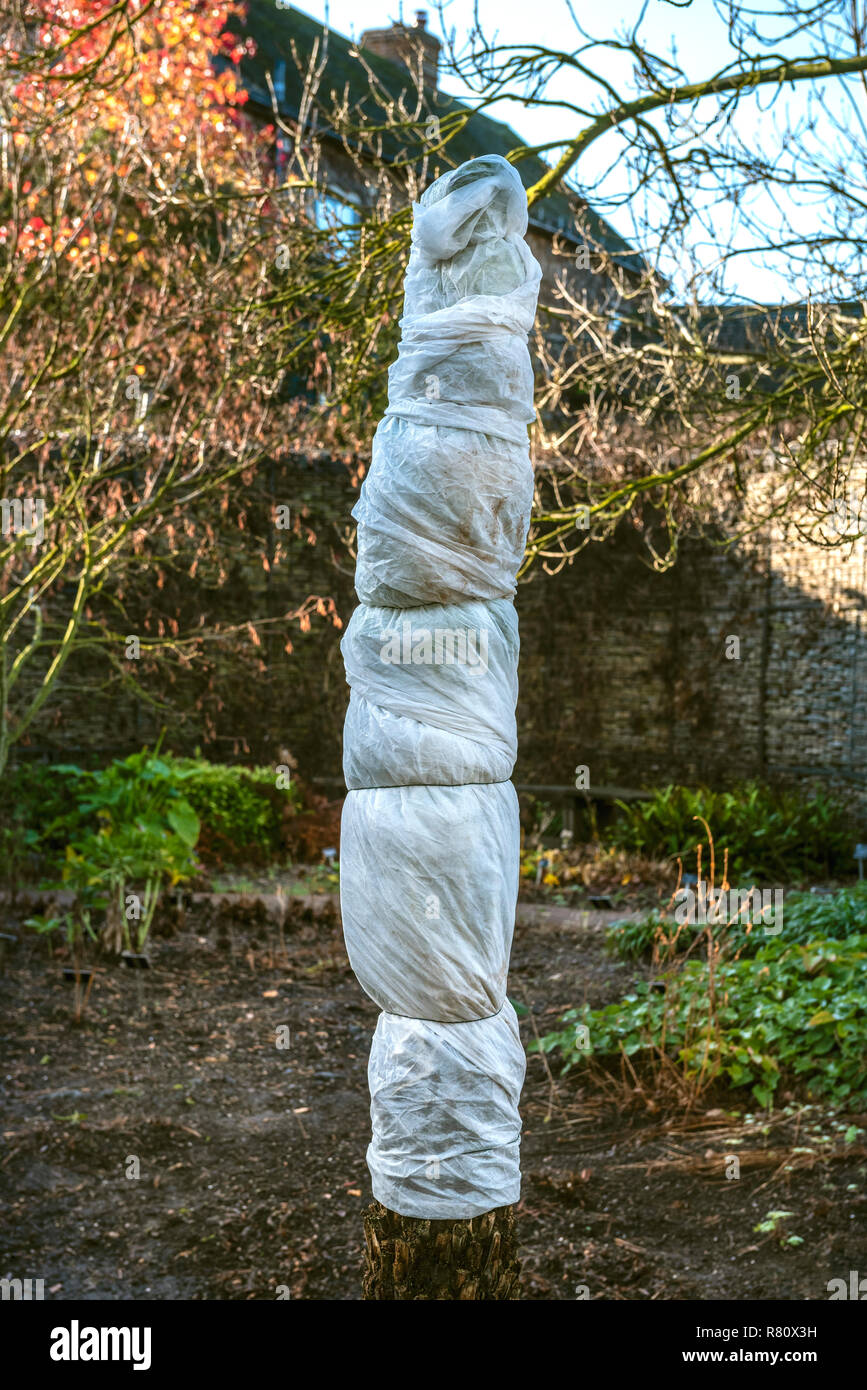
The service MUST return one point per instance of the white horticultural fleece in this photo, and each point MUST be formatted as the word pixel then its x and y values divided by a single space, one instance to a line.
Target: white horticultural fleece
pixel 429 852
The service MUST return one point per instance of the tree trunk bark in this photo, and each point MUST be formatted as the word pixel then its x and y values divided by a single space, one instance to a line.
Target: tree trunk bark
pixel 410 1258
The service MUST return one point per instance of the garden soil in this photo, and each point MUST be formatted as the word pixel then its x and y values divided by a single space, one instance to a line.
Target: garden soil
pixel 202 1134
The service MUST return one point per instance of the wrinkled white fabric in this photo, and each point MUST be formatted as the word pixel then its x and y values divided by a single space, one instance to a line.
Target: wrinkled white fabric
pixel 430 833
pixel 446 1130
pixel 433 695
pixel 429 924
pixel 444 511
pixel 442 517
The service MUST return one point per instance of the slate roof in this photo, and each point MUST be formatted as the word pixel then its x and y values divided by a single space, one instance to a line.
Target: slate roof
pixel 753 327
pixel 276 29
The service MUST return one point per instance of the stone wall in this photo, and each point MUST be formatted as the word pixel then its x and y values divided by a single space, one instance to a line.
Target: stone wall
pixel 730 665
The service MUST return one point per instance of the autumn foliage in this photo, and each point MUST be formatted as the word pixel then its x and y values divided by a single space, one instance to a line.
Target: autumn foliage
pixel 140 382
pixel 121 83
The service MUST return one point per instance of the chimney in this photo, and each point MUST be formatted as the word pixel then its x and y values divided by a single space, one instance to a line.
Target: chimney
pixel 403 45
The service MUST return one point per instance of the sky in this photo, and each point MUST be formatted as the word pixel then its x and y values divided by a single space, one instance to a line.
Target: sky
pixel 700 39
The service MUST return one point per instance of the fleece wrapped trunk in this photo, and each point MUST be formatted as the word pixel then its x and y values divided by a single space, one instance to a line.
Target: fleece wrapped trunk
pixel 430 834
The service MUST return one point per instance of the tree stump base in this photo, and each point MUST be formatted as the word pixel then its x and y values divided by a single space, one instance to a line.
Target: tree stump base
pixel 410 1258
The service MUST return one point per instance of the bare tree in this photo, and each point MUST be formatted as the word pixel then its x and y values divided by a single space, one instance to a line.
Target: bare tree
pixel 139 232
pixel 665 392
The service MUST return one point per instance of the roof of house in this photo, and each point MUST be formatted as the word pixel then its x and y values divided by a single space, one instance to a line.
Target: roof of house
pixel 751 328
pixel 277 29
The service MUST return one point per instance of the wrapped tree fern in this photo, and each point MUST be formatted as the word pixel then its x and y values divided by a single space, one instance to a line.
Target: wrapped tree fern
pixel 430 833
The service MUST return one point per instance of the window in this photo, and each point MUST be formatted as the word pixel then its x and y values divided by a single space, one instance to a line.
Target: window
pixel 336 213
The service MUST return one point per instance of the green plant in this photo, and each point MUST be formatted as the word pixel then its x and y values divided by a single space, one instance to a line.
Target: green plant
pixel 36 798
pixel 76 927
pixel 235 809
pixel 47 926
pixel 839 914
pixel 791 1009
pixel 636 937
pixel 321 878
pixel 19 848
pixel 63 801
pixel 806 916
pixel 143 788
pixel 109 866
pixel 240 806
pixel 145 834
pixel 239 884
pixel 770 1226
pixel 770 834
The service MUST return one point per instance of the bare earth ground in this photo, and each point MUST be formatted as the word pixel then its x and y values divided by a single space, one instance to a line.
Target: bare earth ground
pixel 251 1156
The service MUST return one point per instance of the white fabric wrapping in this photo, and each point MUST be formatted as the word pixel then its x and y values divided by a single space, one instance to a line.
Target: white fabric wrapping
pixel 446 1129
pixel 429 924
pixel 430 834
pixel 433 695
pixel 443 516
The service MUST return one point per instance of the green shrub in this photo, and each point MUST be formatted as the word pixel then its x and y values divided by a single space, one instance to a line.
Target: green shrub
pixel 791 1010
pixel 837 915
pixel 51 806
pixel 635 937
pixel 241 803
pixel 771 835
pixel 62 800
pixel 35 798
pixel 806 917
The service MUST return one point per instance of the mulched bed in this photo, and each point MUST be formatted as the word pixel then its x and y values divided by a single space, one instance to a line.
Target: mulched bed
pixel 251 1155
